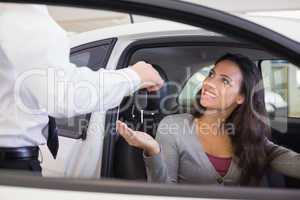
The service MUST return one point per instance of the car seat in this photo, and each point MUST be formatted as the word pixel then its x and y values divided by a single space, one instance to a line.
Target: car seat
pixel 147 110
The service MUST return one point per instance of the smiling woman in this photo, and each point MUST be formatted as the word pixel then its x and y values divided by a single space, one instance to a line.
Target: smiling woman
pixel 229 97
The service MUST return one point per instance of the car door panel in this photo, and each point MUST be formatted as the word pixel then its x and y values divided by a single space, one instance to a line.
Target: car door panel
pixel 80 148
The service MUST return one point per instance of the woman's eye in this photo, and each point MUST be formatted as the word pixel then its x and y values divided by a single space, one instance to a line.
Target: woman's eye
pixel 226 82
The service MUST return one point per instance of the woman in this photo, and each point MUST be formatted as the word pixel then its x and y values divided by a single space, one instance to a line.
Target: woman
pixel 226 143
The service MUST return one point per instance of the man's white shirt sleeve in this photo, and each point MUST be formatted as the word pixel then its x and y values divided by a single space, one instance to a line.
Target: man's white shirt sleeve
pixel 39 51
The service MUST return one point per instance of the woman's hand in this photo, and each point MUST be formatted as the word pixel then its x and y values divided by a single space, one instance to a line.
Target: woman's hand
pixel 138 139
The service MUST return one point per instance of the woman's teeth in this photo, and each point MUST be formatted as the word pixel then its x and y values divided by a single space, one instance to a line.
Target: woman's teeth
pixel 212 95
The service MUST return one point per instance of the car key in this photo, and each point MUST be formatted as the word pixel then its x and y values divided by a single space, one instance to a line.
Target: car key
pixel 142 102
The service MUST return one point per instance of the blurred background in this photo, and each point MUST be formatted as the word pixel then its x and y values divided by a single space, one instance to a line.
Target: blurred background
pixel 81 20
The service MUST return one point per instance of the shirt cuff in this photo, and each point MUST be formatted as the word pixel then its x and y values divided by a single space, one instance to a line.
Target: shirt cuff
pixel 133 78
pixel 153 162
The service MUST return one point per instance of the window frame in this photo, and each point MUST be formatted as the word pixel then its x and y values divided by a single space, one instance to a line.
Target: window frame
pixel 83 49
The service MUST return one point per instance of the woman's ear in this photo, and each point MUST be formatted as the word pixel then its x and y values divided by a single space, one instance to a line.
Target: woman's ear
pixel 240 99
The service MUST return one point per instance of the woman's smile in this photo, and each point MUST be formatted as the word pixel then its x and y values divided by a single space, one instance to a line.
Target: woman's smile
pixel 208 95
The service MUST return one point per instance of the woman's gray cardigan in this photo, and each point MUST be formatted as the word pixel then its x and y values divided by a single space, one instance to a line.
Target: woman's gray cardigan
pixel 183 160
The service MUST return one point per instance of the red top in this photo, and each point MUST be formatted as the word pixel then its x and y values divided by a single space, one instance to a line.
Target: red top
pixel 221 164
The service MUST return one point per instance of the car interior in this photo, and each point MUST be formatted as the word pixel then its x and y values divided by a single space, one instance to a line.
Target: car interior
pixel 144 112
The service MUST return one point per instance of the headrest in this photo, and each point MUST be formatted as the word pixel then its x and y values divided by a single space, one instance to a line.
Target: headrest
pixel 188 95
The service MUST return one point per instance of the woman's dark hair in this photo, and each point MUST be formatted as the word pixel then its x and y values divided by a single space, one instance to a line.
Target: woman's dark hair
pixel 250 132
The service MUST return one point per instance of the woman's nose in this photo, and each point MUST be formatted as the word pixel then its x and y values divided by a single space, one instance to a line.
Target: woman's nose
pixel 210 83
pixel 209 86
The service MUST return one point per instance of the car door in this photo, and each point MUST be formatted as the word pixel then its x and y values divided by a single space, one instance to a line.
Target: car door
pixel 281 80
pixel 194 15
pixel 75 157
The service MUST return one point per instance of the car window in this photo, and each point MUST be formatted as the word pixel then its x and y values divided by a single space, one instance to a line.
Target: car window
pixel 81 58
pixel 281 80
pixel 81 156
pixel 93 55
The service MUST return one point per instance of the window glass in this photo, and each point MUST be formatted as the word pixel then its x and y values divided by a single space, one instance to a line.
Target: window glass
pixel 281 81
pixel 93 58
pixel 81 58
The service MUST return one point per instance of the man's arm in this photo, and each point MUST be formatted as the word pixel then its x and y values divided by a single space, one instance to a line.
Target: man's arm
pixel 39 49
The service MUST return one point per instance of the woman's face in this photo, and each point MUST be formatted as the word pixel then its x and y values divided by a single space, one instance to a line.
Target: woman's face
pixel 221 89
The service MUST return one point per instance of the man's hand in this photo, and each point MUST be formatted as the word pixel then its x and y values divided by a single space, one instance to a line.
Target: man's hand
pixel 151 79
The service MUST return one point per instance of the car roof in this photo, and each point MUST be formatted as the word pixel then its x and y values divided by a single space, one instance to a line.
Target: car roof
pixel 284 26
pixel 143 30
pixel 161 28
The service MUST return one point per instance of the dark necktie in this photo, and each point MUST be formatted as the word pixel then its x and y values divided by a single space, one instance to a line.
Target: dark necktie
pixel 52 141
